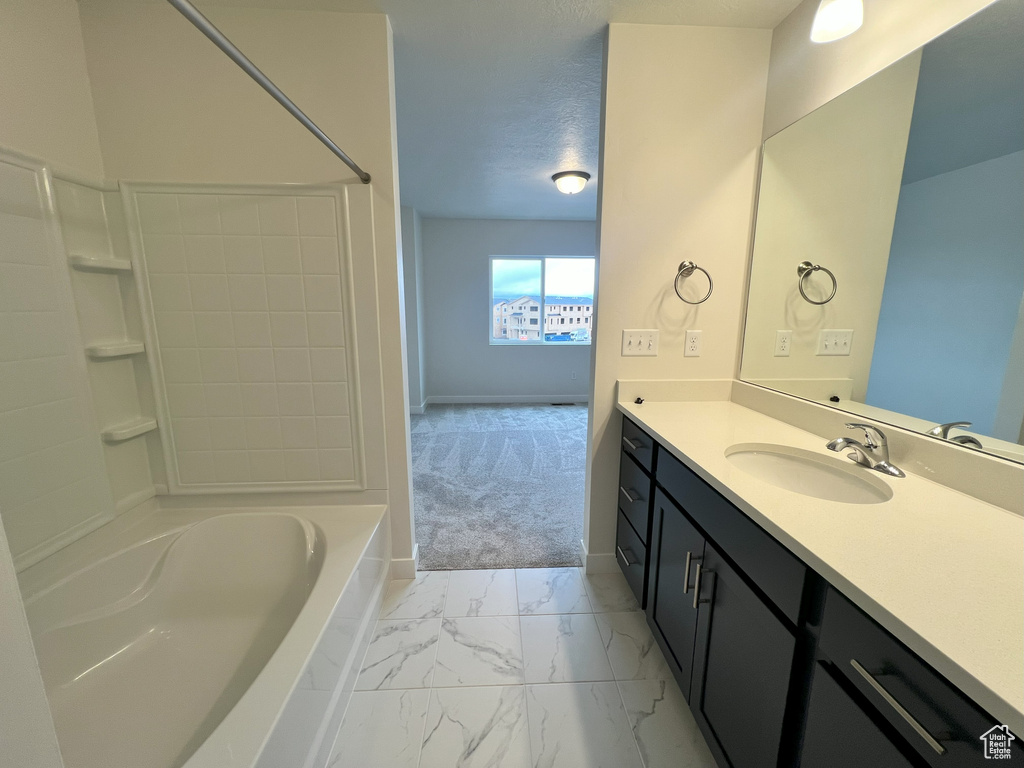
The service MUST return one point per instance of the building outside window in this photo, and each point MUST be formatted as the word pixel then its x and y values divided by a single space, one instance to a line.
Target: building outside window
pixel 559 289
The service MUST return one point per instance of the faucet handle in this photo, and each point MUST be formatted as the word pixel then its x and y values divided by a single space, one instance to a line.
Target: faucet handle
pixel 942 430
pixel 873 436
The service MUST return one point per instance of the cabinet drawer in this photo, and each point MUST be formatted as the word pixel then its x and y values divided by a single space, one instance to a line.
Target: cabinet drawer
pixel 840 735
pixel 634 495
pixel 849 637
pixel 631 555
pixel 637 444
pixel 768 564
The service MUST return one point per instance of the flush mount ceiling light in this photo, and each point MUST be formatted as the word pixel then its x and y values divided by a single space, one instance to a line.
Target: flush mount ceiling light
pixel 571 182
pixel 836 19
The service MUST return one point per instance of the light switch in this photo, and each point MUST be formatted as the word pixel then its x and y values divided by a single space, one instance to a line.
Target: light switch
pixel 835 342
pixel 640 343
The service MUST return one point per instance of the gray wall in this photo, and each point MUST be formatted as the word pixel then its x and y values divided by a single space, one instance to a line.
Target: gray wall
pixel 952 298
pixel 459 363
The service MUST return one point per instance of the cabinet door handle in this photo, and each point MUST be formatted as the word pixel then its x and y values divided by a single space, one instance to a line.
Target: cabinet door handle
pixel 900 710
pixel 629 497
pixel 686 571
pixel 630 444
pixel 696 586
pixel 624 558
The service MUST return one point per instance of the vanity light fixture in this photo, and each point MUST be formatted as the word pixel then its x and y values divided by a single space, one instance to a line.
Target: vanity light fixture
pixel 571 182
pixel 836 19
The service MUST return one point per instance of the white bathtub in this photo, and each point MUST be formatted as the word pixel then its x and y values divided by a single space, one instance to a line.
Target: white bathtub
pixel 206 638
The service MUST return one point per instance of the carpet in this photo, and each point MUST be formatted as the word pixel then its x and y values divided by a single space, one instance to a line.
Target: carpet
pixel 499 486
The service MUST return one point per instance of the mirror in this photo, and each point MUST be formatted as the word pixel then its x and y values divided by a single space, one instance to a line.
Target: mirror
pixel 909 190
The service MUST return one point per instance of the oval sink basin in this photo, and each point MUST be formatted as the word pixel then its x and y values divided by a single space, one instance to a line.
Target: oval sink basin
pixel 810 474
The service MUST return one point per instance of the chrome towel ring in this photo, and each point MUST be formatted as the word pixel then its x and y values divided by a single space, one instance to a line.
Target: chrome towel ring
pixel 686 269
pixel 804 269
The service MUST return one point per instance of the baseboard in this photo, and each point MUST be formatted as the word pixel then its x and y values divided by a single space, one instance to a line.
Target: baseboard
pixel 597 563
pixel 503 399
pixel 405 567
pixel 417 409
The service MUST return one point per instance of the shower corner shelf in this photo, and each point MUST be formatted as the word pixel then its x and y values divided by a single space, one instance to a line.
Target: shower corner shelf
pixel 128 430
pixel 99 263
pixel 111 350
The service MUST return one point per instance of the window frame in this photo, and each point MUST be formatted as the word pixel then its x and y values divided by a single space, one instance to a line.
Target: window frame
pixel 540 314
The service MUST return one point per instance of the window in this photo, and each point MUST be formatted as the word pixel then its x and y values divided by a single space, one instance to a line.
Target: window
pixel 553 288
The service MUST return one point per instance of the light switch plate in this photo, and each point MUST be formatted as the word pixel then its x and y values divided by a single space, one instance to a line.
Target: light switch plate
pixel 640 343
pixel 835 342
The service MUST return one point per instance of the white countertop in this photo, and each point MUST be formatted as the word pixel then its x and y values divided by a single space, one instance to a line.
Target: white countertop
pixel 941 570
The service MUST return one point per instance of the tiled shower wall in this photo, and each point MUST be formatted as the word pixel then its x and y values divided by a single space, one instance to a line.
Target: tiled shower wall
pixel 250 312
pixel 53 482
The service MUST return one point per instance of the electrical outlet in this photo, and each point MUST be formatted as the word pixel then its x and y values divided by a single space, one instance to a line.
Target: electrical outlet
pixel 783 343
pixel 574 375
pixel 835 342
pixel 692 348
pixel 642 343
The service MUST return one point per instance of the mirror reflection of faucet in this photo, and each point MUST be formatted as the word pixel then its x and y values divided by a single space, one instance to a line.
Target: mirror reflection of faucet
pixel 873 453
pixel 942 431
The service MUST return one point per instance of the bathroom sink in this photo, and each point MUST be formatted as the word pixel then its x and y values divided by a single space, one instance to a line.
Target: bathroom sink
pixel 809 473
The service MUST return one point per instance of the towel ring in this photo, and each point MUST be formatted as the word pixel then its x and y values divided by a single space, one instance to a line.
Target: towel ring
pixel 804 269
pixel 686 269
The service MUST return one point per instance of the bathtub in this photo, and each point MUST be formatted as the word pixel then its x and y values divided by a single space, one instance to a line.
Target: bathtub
pixel 207 638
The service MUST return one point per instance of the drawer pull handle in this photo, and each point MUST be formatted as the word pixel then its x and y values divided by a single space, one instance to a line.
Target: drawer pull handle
pixel 870 679
pixel 696 587
pixel 624 558
pixel 630 444
pixel 629 497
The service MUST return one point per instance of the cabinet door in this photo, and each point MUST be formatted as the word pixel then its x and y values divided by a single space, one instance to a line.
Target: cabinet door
pixel 672 610
pixel 840 735
pixel 741 669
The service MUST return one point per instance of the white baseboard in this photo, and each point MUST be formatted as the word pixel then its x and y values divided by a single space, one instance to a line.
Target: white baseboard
pixel 502 399
pixel 417 409
pixel 597 563
pixel 405 567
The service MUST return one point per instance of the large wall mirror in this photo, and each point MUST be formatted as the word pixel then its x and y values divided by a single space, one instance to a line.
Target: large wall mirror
pixel 905 197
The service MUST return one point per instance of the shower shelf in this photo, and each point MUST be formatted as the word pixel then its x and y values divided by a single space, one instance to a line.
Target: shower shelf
pixel 112 350
pixel 128 430
pixel 99 263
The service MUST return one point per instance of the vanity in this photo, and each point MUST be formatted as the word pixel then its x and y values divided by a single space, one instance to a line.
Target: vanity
pixel 815 632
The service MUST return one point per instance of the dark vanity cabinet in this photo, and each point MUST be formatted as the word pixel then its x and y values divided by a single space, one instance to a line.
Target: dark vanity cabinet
pixel 780 670
pixel 632 534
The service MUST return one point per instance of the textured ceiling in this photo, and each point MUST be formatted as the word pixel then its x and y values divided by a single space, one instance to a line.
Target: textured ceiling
pixel 494 96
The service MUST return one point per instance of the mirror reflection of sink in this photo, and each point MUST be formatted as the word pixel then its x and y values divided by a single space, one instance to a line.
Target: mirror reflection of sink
pixel 808 473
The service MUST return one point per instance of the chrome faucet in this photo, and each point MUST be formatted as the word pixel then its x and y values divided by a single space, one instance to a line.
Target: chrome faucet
pixel 942 430
pixel 873 453
pixel 968 440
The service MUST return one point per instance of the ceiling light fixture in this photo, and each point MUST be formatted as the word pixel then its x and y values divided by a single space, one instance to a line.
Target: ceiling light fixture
pixel 836 19
pixel 571 182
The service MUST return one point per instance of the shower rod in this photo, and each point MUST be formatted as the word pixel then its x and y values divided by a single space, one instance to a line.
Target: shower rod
pixel 217 37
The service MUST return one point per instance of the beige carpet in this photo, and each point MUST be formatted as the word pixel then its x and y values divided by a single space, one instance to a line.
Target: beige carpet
pixel 499 486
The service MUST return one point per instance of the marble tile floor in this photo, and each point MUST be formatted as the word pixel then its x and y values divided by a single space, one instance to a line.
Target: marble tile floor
pixel 531 668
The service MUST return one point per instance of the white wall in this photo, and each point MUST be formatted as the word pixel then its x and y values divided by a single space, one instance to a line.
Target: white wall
pixel 829 188
pixel 683 108
pixel 460 363
pixel 27 735
pixel 183 112
pixel 804 75
pixel 44 88
pixel 412 266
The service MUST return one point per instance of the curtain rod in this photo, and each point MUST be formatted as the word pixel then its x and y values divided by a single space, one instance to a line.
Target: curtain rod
pixel 204 25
